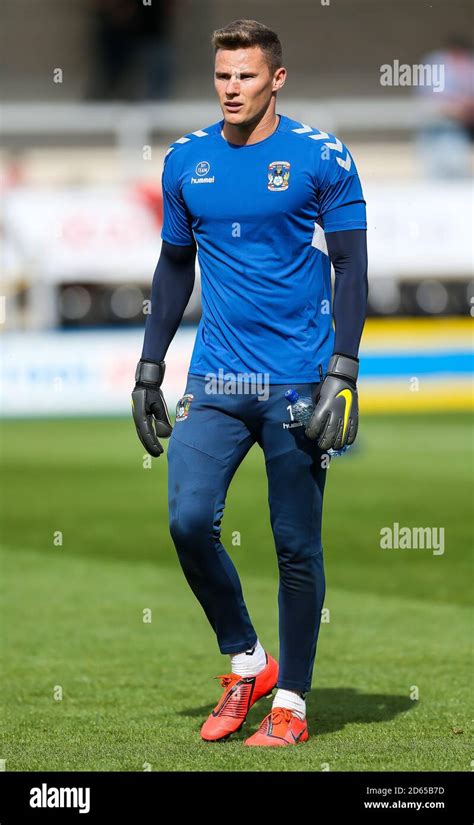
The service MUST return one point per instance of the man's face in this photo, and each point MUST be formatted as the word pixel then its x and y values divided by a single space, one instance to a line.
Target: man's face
pixel 243 83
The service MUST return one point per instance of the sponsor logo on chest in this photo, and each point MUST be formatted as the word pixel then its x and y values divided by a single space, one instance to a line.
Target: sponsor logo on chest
pixel 278 174
pixel 202 171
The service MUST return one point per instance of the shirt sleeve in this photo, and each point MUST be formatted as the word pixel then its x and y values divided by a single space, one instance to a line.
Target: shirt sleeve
pixel 171 290
pixel 341 200
pixel 177 224
pixel 348 254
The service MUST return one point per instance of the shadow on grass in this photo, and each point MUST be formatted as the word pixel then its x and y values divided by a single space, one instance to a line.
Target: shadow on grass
pixel 331 709
pixel 327 709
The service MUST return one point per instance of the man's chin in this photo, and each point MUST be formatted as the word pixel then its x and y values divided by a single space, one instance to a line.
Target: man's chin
pixel 238 118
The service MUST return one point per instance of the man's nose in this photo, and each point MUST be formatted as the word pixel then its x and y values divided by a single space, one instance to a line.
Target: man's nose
pixel 232 86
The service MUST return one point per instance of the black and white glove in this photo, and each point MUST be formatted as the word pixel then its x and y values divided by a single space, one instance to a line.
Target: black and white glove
pixel 149 409
pixel 335 419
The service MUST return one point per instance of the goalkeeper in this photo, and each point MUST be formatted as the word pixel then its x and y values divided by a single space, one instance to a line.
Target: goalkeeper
pixel 268 203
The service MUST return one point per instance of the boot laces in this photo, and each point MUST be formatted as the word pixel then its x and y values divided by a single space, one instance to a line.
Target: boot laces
pixel 227 678
pixel 276 716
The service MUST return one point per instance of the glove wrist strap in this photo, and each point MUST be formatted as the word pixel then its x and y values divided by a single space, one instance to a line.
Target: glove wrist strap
pixel 150 372
pixel 344 367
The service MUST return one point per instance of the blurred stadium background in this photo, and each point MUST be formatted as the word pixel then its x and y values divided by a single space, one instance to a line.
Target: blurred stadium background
pixel 93 93
pixel 82 200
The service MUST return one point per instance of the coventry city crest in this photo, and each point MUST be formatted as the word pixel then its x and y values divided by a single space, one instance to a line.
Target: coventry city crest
pixel 183 405
pixel 278 175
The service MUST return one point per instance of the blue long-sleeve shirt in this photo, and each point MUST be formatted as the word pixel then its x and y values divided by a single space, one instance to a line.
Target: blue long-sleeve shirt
pixel 173 283
pixel 262 216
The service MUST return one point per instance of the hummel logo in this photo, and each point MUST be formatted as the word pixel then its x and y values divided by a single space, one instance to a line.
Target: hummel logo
pixel 203 180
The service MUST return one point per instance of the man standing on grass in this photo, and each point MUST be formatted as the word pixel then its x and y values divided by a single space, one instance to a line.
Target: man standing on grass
pixel 268 202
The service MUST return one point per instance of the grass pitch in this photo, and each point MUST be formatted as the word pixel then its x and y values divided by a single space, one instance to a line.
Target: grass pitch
pixel 89 685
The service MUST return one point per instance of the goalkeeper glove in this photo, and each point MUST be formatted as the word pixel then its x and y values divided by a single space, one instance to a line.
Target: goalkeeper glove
pixel 335 418
pixel 150 412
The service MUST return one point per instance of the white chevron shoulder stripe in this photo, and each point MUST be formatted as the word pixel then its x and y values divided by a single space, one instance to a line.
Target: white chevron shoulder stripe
pixel 319 136
pixel 336 145
pixel 346 164
pixel 304 128
pixel 200 133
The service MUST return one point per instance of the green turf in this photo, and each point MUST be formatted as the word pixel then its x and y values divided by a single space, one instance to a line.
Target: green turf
pixel 135 694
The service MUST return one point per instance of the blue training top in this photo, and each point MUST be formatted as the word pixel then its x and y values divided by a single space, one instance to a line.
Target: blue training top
pixel 257 213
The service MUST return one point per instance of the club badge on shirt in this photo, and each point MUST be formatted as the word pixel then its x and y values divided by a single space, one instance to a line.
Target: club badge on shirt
pixel 183 405
pixel 278 175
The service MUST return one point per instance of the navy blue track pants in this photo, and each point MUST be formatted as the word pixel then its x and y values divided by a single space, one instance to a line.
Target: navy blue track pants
pixel 213 433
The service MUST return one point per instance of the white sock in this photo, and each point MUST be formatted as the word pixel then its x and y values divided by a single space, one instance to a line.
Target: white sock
pixel 291 700
pixel 249 662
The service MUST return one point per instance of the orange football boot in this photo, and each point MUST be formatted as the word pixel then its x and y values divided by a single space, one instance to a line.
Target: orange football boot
pixel 241 692
pixel 280 727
